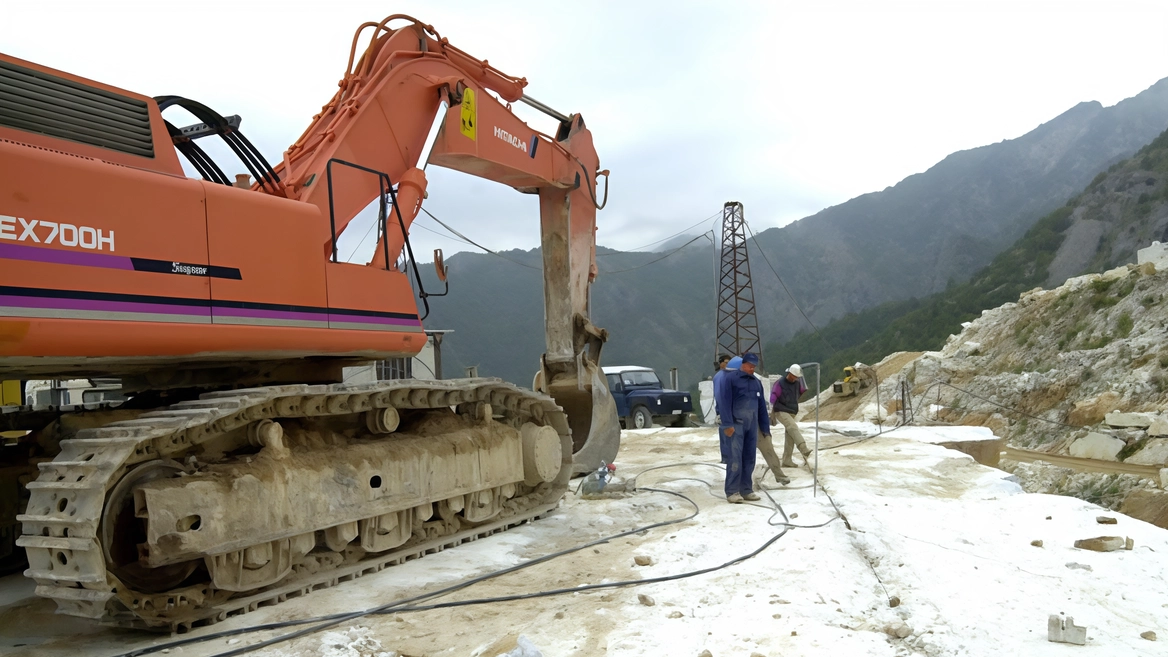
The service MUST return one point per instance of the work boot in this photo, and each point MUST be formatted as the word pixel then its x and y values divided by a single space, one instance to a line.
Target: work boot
pixel 751 497
pixel 734 499
pixel 805 451
pixel 782 479
pixel 788 463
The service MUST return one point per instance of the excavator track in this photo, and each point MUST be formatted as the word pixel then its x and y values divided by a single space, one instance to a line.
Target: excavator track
pixel 71 527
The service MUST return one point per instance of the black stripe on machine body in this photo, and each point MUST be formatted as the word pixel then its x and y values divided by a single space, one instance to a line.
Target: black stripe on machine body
pixel 185 268
pixel 198 303
pixel 101 296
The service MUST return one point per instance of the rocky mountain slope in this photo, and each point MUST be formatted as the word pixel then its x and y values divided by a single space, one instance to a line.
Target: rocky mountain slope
pixel 1080 370
pixel 908 240
pixel 1121 210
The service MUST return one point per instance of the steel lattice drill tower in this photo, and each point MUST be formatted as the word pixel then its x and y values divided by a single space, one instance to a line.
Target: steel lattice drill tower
pixel 737 320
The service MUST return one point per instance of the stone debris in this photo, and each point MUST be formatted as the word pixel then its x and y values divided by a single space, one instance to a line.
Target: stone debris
pixel 645 600
pixel 1129 544
pixel 1037 543
pixel 523 648
pixel 1061 629
pixel 705 653
pixel 894 601
pixel 1079 566
pixel 1101 543
pixel 757 654
pixel 898 629
pixel 559 615
pixel 1149 635
pixel 676 614
pixel 642 560
pixel 1106 520
pixel 357 641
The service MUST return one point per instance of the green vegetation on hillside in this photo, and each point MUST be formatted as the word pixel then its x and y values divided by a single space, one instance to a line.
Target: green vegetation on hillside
pixel 924 324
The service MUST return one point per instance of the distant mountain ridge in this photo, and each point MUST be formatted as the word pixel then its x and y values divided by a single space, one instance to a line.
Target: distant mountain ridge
pixel 1122 210
pixel 907 241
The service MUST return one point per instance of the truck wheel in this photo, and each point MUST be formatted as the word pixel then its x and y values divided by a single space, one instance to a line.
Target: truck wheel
pixel 642 418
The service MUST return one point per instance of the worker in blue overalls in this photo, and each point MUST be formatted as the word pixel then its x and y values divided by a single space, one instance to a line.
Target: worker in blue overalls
pixel 744 414
pixel 720 383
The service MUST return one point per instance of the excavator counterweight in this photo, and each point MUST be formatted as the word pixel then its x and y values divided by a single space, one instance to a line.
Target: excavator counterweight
pixel 242 469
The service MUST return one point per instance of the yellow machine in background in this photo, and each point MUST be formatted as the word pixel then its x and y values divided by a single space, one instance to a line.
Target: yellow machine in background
pixel 855 377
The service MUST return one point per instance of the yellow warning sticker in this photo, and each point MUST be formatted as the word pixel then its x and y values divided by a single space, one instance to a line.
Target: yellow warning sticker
pixel 470 117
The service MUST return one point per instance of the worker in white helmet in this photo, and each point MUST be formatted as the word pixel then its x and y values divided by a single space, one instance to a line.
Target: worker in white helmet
pixel 785 396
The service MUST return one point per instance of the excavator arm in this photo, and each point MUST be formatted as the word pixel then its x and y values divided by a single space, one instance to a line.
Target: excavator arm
pixel 412 99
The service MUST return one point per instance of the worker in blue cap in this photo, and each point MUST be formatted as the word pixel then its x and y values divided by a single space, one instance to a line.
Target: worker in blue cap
pixel 743 415
pixel 720 381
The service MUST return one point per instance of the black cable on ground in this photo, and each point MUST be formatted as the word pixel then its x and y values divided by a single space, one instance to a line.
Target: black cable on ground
pixel 335 619
pixel 406 605
pixel 399 607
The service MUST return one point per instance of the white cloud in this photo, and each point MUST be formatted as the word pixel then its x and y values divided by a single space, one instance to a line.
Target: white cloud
pixel 786 106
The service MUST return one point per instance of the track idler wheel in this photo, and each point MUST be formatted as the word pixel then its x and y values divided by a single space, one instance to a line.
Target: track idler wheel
pixel 122 532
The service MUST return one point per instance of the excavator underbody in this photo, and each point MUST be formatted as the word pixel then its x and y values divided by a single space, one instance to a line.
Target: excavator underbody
pixel 204 509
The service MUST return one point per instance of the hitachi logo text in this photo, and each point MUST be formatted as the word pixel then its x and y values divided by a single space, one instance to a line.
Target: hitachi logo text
pixel 510 139
pixel 19 229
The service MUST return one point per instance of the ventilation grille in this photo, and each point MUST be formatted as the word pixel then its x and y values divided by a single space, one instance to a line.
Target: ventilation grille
pixel 49 105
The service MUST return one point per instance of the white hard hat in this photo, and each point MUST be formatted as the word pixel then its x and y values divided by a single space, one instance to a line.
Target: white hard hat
pixel 796 370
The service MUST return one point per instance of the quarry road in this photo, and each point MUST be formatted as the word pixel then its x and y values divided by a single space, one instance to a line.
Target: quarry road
pixel 1082 465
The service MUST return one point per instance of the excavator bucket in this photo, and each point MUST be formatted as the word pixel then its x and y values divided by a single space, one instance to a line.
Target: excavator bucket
pixel 592 416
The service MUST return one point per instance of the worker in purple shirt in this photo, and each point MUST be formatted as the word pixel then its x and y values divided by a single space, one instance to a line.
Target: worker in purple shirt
pixel 743 415
pixel 720 379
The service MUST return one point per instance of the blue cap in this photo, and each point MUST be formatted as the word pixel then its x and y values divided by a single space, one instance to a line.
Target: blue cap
pixel 750 358
pixel 734 363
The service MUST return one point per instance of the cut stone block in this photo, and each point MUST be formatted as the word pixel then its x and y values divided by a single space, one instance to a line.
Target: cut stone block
pixel 1102 543
pixel 1159 426
pixel 1098 446
pixel 1122 420
pixel 1064 630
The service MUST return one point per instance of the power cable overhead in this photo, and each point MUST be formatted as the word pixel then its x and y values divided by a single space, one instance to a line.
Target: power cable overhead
pixel 785 289
pixel 474 243
pixel 663 239
pixel 655 260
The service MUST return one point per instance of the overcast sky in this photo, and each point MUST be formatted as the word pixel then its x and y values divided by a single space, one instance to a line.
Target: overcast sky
pixel 789 107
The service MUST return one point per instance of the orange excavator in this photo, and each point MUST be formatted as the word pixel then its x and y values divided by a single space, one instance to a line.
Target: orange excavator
pixel 241 470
